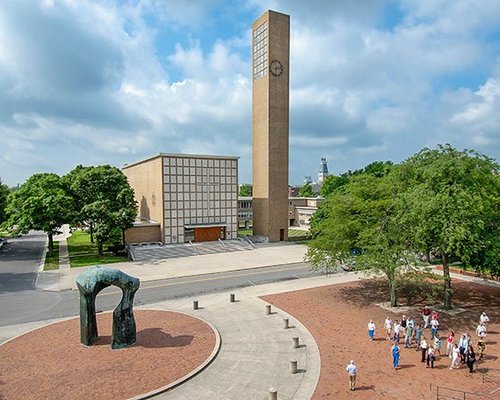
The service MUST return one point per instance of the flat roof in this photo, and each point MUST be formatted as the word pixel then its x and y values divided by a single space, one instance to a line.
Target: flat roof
pixel 214 157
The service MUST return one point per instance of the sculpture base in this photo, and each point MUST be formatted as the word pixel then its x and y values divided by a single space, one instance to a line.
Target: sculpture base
pixel 50 362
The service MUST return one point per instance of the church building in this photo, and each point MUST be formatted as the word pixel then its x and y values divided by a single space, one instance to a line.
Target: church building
pixel 183 198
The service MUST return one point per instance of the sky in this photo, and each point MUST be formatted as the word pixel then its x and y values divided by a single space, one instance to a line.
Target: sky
pixel 114 82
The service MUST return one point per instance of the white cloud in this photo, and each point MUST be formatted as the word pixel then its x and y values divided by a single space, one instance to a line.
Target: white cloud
pixel 88 82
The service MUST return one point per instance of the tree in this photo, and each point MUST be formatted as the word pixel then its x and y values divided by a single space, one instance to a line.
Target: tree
pixel 245 190
pixel 105 199
pixel 452 206
pixel 333 183
pixel 362 218
pixel 306 190
pixel 41 203
pixel 4 193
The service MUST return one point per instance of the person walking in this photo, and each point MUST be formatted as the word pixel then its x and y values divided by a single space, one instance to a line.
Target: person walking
pixel 395 355
pixel 434 327
pixel 450 341
pixel 484 319
pixel 388 327
pixel 418 336
pixel 423 347
pixel 371 330
pixel 471 358
pixel 397 331
pixel 431 358
pixel 454 356
pixel 437 345
pixel 463 345
pixel 408 334
pixel 403 321
pixel 481 347
pixel 481 330
pixel 352 370
pixel 426 315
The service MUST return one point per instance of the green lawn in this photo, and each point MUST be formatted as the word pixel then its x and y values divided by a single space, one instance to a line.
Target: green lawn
pixel 52 262
pixel 245 232
pixel 299 236
pixel 293 234
pixel 83 253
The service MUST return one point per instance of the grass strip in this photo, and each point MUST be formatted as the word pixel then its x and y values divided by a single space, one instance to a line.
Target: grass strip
pixel 52 261
pixel 83 253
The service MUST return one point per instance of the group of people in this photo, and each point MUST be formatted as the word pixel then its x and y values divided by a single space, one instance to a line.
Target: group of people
pixel 406 329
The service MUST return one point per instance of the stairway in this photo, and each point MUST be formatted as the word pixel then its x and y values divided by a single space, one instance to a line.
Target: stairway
pixel 157 252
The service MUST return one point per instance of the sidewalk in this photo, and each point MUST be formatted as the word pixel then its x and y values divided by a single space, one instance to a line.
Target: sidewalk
pixel 256 349
pixel 261 256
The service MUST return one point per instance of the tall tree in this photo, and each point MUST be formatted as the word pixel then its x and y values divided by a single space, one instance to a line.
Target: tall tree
pixel 4 193
pixel 333 183
pixel 41 203
pixel 306 190
pixel 362 218
pixel 105 200
pixel 452 206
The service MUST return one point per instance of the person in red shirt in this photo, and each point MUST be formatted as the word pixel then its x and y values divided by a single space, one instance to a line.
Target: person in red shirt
pixel 450 341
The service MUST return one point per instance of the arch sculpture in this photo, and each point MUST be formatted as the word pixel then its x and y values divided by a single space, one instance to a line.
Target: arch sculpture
pixel 90 283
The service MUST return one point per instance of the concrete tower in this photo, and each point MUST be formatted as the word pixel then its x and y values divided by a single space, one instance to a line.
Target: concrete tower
pixel 270 110
pixel 323 171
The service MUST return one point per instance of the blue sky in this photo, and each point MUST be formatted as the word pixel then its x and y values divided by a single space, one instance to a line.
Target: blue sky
pixel 112 82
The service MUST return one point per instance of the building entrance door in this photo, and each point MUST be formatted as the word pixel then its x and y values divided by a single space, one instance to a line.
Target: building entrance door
pixel 207 234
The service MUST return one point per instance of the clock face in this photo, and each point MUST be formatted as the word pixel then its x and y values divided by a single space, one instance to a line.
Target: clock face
pixel 276 68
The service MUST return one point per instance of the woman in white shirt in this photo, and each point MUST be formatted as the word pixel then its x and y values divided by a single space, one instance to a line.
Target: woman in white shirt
pixel 454 356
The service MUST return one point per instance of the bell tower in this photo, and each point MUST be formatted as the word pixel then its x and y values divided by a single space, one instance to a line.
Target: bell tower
pixel 270 124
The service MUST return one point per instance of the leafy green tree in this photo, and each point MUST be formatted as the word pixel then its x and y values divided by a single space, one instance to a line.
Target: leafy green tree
pixel 105 201
pixel 451 205
pixel 333 183
pixel 306 190
pixel 4 193
pixel 41 203
pixel 378 168
pixel 362 216
pixel 245 190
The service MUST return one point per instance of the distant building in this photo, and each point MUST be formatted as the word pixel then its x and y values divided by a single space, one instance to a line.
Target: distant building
pixel 184 197
pixel 300 210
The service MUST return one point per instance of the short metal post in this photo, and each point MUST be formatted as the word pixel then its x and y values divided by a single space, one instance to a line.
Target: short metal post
pixel 295 340
pixel 273 394
pixel 268 309
pixel 195 304
pixel 232 297
pixel 286 323
pixel 294 366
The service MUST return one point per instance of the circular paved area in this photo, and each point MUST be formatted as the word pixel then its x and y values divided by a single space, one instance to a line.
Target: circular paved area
pixel 50 362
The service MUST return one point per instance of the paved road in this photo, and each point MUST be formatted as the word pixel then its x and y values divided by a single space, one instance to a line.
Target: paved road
pixel 19 260
pixel 38 305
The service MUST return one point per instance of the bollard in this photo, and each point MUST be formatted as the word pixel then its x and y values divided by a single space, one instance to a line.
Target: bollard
pixel 295 340
pixel 268 309
pixel 232 298
pixel 273 394
pixel 195 304
pixel 286 323
pixel 294 366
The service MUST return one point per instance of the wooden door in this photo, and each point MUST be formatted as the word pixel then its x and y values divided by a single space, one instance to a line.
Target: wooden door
pixel 208 234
